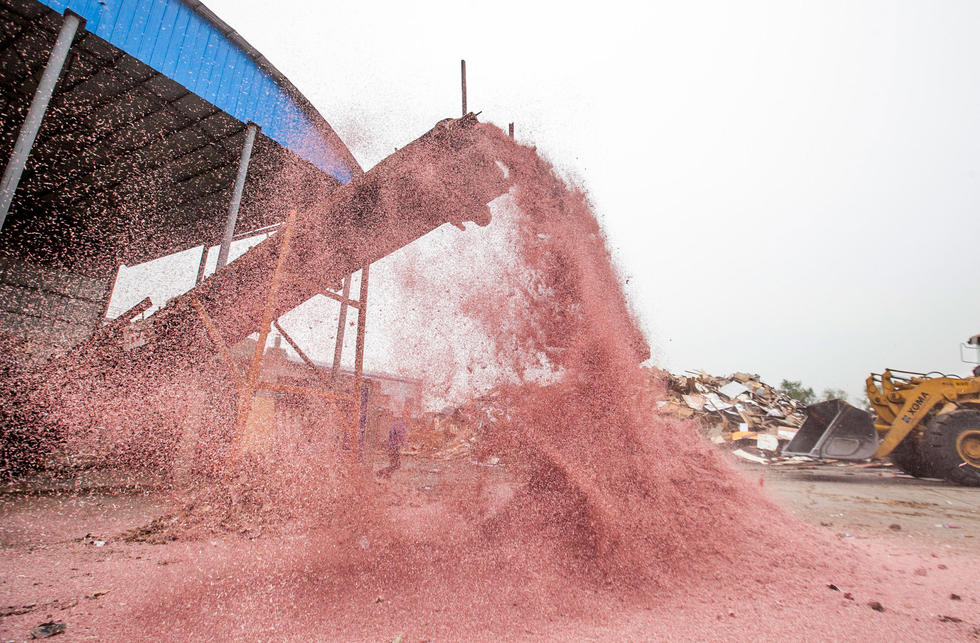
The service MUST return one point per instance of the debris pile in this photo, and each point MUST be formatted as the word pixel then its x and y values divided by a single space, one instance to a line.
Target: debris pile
pixel 740 410
pixel 455 432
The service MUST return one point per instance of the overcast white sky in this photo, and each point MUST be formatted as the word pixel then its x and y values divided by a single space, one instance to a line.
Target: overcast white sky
pixel 791 187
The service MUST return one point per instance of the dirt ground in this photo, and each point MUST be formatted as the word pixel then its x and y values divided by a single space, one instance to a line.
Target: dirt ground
pixel 878 503
pixel 62 558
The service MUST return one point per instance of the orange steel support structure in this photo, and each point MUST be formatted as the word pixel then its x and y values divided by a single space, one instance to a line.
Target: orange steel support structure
pixel 333 234
pixel 251 384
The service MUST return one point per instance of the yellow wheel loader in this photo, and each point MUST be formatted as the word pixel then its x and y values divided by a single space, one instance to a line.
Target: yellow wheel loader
pixel 927 423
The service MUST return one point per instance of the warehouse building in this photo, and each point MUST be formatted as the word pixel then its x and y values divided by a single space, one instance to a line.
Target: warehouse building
pixel 130 130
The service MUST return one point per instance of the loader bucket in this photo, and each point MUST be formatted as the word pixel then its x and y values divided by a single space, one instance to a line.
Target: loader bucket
pixel 835 430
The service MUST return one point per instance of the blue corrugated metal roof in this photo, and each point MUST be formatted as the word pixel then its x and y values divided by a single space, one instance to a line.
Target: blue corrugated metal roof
pixel 177 41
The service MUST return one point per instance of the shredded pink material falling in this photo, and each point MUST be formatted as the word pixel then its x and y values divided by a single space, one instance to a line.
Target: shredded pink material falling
pixel 609 521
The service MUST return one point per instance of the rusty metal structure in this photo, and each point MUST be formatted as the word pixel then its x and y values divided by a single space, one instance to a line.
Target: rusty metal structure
pixel 133 130
pixel 375 214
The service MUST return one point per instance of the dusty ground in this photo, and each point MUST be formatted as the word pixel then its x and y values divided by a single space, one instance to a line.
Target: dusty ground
pixel 62 558
pixel 877 503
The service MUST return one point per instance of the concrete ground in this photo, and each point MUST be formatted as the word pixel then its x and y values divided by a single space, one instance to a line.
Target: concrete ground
pixel 860 501
pixel 72 532
pixel 852 501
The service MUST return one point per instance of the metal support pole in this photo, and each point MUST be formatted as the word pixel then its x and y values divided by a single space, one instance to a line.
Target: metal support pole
pixel 35 114
pixel 362 419
pixel 236 196
pixel 203 265
pixel 361 326
pixel 359 389
pixel 338 349
pixel 462 69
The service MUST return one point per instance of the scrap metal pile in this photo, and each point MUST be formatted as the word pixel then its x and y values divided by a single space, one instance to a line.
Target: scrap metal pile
pixel 739 410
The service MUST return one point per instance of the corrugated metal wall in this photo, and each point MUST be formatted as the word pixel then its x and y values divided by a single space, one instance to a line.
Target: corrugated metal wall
pixel 172 38
pixel 49 308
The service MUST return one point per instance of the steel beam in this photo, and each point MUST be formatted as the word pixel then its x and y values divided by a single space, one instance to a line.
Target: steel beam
pixel 204 263
pixel 78 131
pixel 299 351
pixel 35 114
pixel 236 197
pixel 462 75
pixel 255 367
pixel 359 389
pixel 338 349
pixel 361 328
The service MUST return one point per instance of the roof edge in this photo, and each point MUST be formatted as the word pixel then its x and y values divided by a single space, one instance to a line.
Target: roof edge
pixel 198 7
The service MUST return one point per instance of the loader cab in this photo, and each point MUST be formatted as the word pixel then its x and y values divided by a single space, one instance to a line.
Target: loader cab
pixel 970 353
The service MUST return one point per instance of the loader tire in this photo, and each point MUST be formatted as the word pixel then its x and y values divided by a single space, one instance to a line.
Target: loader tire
pixel 951 444
pixel 910 458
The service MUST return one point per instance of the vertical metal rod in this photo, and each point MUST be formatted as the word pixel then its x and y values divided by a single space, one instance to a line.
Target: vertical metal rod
pixel 510 129
pixel 338 349
pixel 35 114
pixel 359 389
pixel 203 265
pixel 462 69
pixel 362 418
pixel 236 196
pixel 361 326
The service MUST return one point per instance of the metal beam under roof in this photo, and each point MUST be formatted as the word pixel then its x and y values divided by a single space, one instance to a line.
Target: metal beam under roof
pixel 188 43
pixel 128 164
